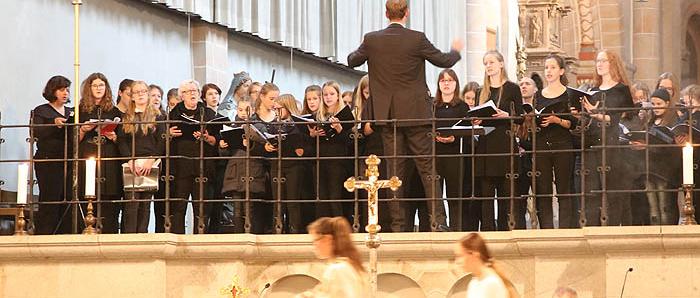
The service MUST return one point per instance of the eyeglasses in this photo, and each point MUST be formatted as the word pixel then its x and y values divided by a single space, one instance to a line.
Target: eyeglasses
pixel 193 91
pixel 446 81
pixel 601 60
pixel 97 86
pixel 139 92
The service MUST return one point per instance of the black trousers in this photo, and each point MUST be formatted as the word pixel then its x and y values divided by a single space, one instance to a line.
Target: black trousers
pixel 108 213
pixel 524 184
pixel 332 173
pixel 489 187
pixel 288 186
pixel 213 192
pixel 136 214
pixel 451 171
pixel 52 185
pixel 554 168
pixel 414 140
pixel 186 186
pixel 618 204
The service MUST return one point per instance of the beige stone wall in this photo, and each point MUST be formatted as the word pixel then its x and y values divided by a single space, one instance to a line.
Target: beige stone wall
pixel 666 262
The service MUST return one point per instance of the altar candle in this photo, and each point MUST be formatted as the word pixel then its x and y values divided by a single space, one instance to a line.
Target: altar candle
pixel 22 171
pixel 688 164
pixel 90 166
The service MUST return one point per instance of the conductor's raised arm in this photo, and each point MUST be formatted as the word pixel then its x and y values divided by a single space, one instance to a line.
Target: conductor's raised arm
pixel 359 56
pixel 438 58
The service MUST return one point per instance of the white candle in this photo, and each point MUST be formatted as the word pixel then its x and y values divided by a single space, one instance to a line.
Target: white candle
pixel 90 166
pixel 688 164
pixel 22 171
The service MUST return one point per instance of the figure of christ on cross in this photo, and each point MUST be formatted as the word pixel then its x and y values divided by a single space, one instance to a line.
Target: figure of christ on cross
pixel 372 185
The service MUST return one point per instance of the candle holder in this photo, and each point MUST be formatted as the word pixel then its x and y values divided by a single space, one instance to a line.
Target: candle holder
pixel 90 218
pixel 688 216
pixel 20 223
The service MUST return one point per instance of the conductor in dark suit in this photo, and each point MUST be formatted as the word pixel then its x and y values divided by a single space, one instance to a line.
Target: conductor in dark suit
pixel 396 58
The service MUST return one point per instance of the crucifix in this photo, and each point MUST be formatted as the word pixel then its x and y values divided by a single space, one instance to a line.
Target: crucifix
pixel 372 185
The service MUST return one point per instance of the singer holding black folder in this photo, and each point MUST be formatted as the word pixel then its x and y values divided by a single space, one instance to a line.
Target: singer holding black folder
pixel 612 91
pixel 187 169
pixel 396 58
pixel 492 171
pixel 553 121
pixel 96 105
pixel 448 104
pixel 287 173
pixel 333 142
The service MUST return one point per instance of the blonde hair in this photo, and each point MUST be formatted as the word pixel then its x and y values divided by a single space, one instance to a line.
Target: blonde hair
pixel 360 98
pixel 323 112
pixel 288 102
pixel 486 90
pixel 148 117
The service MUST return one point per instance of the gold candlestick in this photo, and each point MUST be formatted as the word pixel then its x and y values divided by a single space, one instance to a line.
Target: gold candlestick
pixel 90 218
pixel 372 185
pixel 688 216
pixel 20 223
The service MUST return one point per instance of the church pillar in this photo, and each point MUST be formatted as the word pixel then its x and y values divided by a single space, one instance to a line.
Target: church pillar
pixel 586 55
pixel 475 41
pixel 210 54
pixel 646 41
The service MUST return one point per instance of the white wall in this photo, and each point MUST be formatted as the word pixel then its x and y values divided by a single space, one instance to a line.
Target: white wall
pixel 292 74
pixel 120 38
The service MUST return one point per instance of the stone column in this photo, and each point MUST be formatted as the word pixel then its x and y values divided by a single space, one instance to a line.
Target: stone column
pixel 646 41
pixel 475 41
pixel 210 54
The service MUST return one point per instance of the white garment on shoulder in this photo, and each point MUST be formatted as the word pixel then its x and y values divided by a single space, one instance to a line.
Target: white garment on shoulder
pixel 490 285
pixel 341 280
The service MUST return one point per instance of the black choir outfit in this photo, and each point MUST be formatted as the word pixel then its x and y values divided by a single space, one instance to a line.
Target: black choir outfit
pixel 491 171
pixel 53 177
pixel 111 188
pixel 188 167
pixel 136 145
pixel 554 166
pixel 236 186
pixel 618 96
pixel 333 172
pixel 451 168
pixel 287 173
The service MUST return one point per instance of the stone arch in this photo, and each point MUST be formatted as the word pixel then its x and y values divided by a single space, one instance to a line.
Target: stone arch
pixel 459 288
pixel 289 286
pixel 395 285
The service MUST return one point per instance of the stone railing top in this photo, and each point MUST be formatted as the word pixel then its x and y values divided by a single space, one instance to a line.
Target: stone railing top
pixel 586 241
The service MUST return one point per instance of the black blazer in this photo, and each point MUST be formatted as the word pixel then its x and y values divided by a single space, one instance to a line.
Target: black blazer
pixel 396 58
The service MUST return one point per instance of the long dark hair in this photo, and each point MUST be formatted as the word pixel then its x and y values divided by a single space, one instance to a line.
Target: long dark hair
pixel 457 97
pixel 339 228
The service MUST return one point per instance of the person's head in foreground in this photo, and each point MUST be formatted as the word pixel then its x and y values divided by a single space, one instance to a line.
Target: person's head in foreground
pixel 472 255
pixel 331 236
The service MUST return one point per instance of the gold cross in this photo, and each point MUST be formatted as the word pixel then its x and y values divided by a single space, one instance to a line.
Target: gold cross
pixel 372 185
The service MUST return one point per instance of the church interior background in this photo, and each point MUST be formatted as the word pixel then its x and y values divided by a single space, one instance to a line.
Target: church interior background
pixel 306 41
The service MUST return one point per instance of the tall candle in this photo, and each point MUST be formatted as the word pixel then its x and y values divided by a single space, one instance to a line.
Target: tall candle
pixel 22 171
pixel 688 164
pixel 90 166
